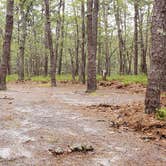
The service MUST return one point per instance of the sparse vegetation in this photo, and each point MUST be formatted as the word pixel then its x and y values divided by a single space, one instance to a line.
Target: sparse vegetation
pixel 65 77
pixel 126 79
pixel 161 114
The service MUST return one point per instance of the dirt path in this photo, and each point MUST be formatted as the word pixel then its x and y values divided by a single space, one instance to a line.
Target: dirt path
pixel 34 119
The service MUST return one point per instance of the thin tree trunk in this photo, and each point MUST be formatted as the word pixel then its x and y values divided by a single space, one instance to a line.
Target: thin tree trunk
pixel 62 39
pixel 83 54
pixel 143 54
pixel 58 27
pixel 77 42
pixel 147 37
pixel 46 53
pixel 99 64
pixel 50 44
pixel 120 38
pixel 72 64
pixel 107 56
pixel 22 45
pixel 23 34
pixel 6 43
pixel 45 47
pixel 136 37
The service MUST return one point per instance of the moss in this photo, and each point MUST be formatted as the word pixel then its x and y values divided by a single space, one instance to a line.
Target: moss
pixel 161 114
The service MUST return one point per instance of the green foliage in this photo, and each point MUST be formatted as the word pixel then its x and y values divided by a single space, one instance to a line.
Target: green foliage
pixel 127 79
pixel 12 78
pixel 65 77
pixel 161 114
pixel 40 79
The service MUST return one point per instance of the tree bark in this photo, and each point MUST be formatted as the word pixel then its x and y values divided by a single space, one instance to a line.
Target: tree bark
pixel 92 22
pixel 99 59
pixel 107 52
pixel 136 37
pixel 157 73
pixel 50 44
pixel 77 42
pixel 23 26
pixel 120 37
pixel 62 39
pixel 72 64
pixel 46 53
pixel 58 28
pixel 83 54
pixel 143 51
pixel 6 43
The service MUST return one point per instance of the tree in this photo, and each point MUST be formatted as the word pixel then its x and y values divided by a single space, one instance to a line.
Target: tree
pixel 158 57
pixel 92 22
pixel 120 36
pixel 83 54
pixel 143 45
pixel 106 42
pixel 62 39
pixel 50 44
pixel 136 37
pixel 6 43
pixel 58 27
pixel 25 7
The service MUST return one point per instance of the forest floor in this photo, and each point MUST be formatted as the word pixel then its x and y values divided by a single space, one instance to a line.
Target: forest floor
pixel 37 121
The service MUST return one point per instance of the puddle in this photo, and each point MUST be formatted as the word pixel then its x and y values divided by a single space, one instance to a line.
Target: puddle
pixel 5 153
pixel 102 162
pixel 15 136
pixel 110 161
pixel 14 152
pixel 67 131
pixel 24 109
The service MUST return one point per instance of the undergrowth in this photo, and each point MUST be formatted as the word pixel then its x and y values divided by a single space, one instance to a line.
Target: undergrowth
pixel 161 114
pixel 126 79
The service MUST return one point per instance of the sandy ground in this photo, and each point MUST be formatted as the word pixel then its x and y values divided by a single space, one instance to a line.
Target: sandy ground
pixel 36 118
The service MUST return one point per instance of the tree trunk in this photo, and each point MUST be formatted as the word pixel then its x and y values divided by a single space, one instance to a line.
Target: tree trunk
pixel 83 55
pixel 50 44
pixel 6 43
pixel 22 45
pixel 92 23
pixel 23 25
pixel 143 53
pixel 136 37
pixel 62 39
pixel 77 42
pixel 46 54
pixel 58 27
pixel 99 59
pixel 107 56
pixel 157 75
pixel 120 38
pixel 72 64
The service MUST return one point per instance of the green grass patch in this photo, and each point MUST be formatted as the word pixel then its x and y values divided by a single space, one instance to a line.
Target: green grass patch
pixel 127 79
pixel 65 77
pixel 40 79
pixel 12 78
pixel 161 114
